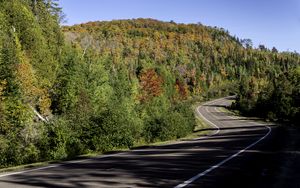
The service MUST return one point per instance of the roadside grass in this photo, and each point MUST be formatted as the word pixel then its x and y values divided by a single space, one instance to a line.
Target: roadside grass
pixel 238 114
pixel 27 166
pixel 199 131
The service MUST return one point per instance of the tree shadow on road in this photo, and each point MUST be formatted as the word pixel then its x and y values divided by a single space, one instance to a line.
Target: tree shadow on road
pixel 158 166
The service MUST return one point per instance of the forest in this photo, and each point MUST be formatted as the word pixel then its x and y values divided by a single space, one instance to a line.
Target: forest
pixel 101 86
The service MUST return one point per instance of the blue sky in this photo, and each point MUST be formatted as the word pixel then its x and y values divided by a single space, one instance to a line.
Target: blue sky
pixel 270 22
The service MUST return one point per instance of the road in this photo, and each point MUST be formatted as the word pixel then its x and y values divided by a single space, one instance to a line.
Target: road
pixel 232 154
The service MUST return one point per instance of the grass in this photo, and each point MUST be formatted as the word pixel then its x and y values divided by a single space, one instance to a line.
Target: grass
pixel 237 113
pixel 22 167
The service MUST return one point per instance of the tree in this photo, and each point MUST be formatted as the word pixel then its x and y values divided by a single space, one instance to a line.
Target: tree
pixel 274 50
pixel 151 84
pixel 247 43
pixel 262 47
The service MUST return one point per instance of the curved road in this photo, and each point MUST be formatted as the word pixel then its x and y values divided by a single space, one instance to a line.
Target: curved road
pixel 224 158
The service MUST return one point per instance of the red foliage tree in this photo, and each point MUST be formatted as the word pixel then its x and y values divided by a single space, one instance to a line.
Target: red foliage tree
pixel 182 89
pixel 151 84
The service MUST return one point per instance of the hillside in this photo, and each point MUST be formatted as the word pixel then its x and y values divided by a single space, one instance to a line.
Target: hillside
pixel 102 86
pixel 187 52
pixel 199 57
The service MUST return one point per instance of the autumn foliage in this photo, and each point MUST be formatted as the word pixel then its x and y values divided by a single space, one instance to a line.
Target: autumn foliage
pixel 182 89
pixel 115 84
pixel 151 84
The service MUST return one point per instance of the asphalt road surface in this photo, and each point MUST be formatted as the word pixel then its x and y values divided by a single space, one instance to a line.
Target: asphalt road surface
pixel 233 155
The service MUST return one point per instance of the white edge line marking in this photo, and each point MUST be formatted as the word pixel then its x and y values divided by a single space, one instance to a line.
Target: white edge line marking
pixel 189 181
pixel 205 119
pixel 21 172
pixel 56 165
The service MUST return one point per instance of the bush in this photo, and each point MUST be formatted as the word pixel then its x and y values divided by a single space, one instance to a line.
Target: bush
pixel 118 127
pixel 153 130
pixel 173 126
pixel 31 154
pixel 175 123
pixel 13 154
pixel 54 142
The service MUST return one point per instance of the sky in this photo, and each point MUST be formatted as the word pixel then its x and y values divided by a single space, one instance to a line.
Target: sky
pixel 269 22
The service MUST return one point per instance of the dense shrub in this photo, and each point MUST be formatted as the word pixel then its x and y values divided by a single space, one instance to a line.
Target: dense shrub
pixel 174 122
pixel 116 128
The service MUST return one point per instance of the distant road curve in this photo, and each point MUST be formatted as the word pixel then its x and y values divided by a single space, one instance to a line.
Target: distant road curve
pixel 209 161
pixel 202 112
